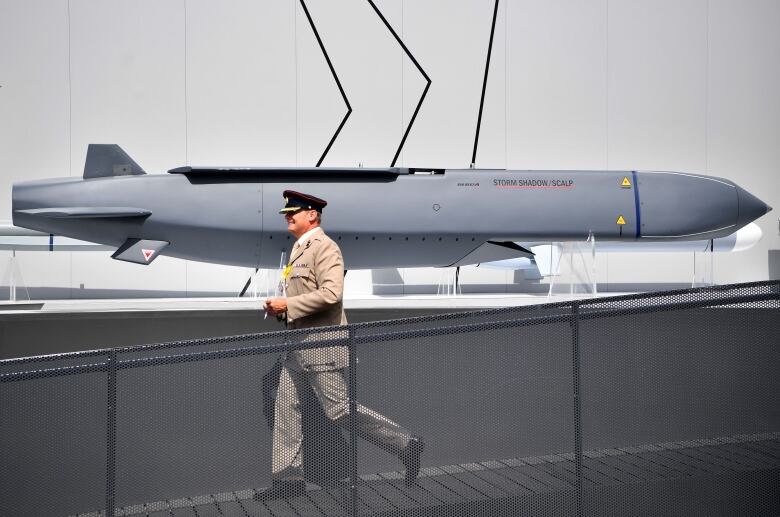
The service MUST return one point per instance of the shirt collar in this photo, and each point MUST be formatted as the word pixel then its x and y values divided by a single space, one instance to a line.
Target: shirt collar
pixel 303 238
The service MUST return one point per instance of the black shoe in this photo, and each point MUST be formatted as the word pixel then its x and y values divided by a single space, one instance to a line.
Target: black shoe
pixel 282 489
pixel 410 457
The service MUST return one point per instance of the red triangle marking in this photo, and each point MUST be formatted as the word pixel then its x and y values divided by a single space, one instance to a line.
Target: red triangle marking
pixel 147 254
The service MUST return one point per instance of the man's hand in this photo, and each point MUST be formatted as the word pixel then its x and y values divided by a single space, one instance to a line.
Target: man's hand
pixel 275 306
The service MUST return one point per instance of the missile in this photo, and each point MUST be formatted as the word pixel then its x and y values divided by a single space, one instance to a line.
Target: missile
pixel 380 217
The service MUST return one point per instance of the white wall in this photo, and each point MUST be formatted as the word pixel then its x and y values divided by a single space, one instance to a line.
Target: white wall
pixel 685 85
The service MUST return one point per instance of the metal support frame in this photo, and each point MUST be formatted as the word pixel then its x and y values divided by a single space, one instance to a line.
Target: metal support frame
pixel 111 437
pixel 353 474
pixel 576 387
pixel 13 276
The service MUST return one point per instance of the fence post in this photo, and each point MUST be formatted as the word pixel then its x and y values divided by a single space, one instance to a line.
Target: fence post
pixel 353 476
pixel 111 437
pixel 575 334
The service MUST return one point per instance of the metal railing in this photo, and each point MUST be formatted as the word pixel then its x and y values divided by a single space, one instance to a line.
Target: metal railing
pixel 356 337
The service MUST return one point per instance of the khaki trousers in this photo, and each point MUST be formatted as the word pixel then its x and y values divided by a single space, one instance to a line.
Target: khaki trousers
pixel 332 393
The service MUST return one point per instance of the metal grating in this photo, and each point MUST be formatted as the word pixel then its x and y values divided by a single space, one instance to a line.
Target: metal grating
pixel 657 404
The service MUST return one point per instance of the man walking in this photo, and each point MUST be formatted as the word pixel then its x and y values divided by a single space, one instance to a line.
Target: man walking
pixel 314 282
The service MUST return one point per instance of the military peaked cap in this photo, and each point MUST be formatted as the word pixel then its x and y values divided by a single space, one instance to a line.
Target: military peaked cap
pixel 295 201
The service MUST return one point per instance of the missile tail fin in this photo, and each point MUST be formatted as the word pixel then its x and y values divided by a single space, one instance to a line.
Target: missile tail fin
pixel 107 160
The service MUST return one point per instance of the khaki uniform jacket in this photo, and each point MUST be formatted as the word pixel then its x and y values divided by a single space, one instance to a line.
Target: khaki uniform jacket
pixel 315 290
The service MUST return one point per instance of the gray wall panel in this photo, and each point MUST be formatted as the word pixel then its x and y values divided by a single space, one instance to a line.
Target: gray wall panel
pixel 657 85
pixel 743 125
pixel 34 94
pixel 368 63
pixel 450 42
pixel 127 75
pixel 241 83
pixel 673 85
pixel 556 85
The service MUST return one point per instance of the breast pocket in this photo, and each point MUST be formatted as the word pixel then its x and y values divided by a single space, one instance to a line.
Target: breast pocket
pixel 303 275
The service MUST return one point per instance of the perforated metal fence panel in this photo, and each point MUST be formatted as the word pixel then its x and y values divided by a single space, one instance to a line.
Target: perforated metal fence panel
pixel 662 404
pixel 681 404
pixel 481 400
pixel 53 432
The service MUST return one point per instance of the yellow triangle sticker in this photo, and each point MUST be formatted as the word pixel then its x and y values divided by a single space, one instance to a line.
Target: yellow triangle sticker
pixel 621 221
pixel 626 182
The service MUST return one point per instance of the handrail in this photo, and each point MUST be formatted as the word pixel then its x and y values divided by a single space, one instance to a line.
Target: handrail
pixel 582 313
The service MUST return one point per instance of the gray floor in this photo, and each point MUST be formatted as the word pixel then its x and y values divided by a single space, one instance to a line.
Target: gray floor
pixel 638 480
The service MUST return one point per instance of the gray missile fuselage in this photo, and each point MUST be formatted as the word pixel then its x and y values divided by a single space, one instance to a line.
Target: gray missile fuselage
pixel 382 217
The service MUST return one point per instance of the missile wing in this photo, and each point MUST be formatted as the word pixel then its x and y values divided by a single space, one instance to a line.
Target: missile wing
pixel 393 217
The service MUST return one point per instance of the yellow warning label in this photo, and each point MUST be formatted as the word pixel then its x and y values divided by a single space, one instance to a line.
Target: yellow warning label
pixel 621 220
pixel 626 182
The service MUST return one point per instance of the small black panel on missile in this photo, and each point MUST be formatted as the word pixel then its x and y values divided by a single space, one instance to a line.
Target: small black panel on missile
pixel 292 171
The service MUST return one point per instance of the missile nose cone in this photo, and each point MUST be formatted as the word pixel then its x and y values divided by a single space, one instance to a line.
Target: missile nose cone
pixel 750 207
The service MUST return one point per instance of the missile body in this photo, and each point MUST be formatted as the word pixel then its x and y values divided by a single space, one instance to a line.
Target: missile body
pixel 380 217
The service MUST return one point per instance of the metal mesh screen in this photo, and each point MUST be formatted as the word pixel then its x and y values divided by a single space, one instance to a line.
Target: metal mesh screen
pixel 681 406
pixel 53 433
pixel 487 403
pixel 662 404
pixel 183 426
